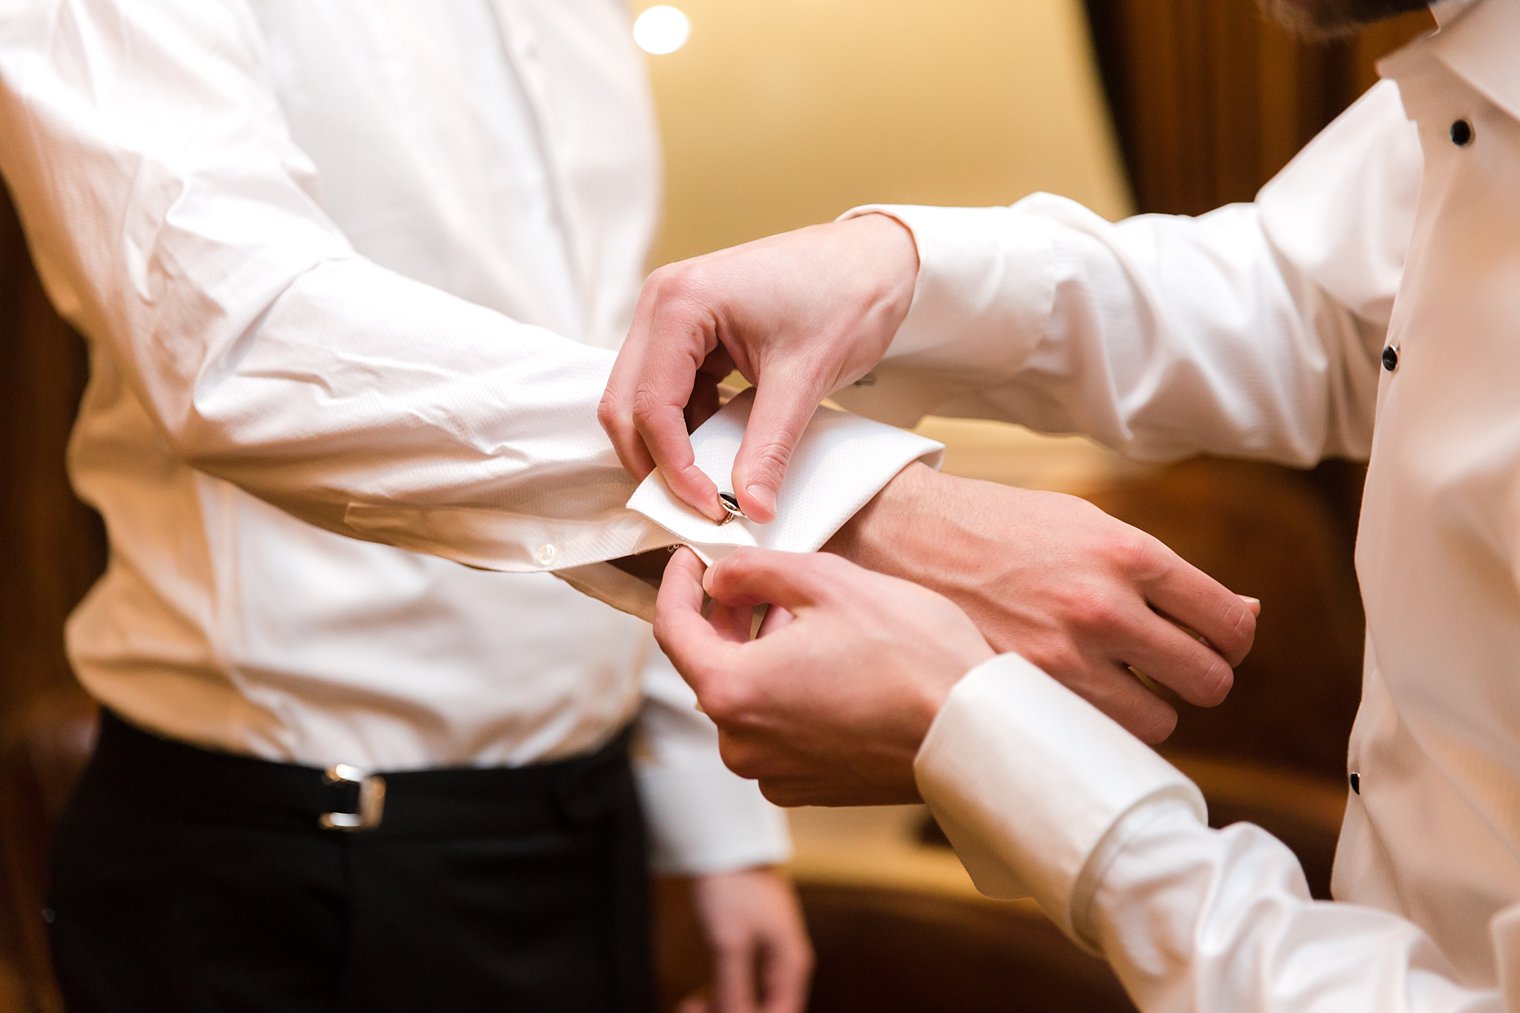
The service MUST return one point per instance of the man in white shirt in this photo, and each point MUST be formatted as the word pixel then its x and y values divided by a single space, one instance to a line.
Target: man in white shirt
pixel 311 243
pixel 352 273
pixel 1372 281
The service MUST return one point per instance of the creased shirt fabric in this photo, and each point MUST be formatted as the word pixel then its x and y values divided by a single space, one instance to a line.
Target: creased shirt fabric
pixel 352 273
pixel 1364 305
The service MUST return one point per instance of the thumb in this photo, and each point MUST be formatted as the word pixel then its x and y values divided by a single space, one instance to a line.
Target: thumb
pixel 767 577
pixel 781 412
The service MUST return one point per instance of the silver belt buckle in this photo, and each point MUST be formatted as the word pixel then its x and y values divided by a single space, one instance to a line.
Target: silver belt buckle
pixel 371 799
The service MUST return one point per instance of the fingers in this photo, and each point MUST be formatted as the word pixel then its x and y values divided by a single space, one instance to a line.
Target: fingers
pixel 734 977
pixel 661 425
pixel 766 577
pixel 644 410
pixel 691 642
pixel 1199 602
pixel 786 972
pixel 733 622
pixel 1176 660
pixel 1123 698
pixel 776 619
pixel 783 406
pixel 614 411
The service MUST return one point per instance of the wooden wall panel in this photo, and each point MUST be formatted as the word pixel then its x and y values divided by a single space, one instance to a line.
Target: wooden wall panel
pixel 52 544
pixel 1210 99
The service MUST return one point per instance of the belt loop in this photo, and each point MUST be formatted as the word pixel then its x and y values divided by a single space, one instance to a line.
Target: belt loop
pixel 371 799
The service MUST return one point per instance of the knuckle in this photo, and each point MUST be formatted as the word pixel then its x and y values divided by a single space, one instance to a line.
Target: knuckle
pixel 1215 683
pixel 1136 553
pixel 673 281
pixel 648 406
pixel 1093 610
pixel 661 627
pixel 779 794
pixel 725 703
pixel 608 411
pixel 732 752
pixel 1156 727
pixel 1243 627
pixel 769 458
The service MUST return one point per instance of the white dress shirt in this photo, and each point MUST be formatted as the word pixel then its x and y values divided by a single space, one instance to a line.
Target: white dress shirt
pixel 1375 280
pixel 352 273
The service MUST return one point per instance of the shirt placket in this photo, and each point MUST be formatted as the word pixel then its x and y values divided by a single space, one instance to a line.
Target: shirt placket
pixel 524 55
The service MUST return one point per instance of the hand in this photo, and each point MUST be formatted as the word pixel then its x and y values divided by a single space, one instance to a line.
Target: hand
pixel 799 315
pixel 1085 597
pixel 762 959
pixel 829 705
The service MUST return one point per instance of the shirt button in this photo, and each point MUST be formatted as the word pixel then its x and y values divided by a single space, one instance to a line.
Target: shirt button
pixel 545 554
pixel 1391 357
pixel 1356 782
pixel 1462 133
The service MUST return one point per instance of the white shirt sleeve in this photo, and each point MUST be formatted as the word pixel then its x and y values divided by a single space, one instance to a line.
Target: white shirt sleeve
pixel 1251 331
pixel 702 817
pixel 174 221
pixel 1040 792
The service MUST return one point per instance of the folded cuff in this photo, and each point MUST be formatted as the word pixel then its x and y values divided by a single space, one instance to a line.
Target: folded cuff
pixel 1027 779
pixel 841 462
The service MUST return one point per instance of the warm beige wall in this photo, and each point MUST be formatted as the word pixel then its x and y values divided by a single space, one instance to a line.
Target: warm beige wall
pixel 778 113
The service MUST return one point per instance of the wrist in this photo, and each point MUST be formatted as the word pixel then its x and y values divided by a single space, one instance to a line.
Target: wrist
pixel 875 536
pixel 890 256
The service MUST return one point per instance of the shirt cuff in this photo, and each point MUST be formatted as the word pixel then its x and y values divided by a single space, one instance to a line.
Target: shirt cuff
pixel 985 289
pixel 1027 780
pixel 841 462
pixel 705 819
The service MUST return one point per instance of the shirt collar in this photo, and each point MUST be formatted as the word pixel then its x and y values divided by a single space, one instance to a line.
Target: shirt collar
pixel 1479 41
pixel 1447 10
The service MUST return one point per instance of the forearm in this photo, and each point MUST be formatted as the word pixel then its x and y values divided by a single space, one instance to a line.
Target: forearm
pixel 1252 331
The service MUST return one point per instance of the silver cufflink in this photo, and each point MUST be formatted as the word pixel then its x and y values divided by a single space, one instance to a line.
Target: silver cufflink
pixel 731 505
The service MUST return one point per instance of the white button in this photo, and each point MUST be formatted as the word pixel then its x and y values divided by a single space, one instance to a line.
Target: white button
pixel 546 554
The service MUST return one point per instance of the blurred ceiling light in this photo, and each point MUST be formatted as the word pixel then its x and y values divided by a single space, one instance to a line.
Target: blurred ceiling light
pixel 661 29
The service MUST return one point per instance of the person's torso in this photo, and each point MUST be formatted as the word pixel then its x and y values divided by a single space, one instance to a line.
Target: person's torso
pixel 1434 831
pixel 500 150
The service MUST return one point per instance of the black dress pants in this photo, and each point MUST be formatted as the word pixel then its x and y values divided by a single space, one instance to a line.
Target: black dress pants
pixel 187 880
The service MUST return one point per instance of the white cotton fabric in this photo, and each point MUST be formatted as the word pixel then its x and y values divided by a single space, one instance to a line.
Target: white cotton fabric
pixel 838 464
pixel 352 274
pixel 1259 330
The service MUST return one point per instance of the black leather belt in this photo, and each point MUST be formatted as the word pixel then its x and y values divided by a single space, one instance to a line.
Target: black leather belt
pixel 134 768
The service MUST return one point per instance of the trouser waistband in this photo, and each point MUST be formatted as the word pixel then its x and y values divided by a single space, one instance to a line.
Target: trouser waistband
pixel 137 769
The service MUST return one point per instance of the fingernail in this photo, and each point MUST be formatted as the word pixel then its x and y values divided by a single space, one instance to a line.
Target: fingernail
pixel 1254 604
pixel 763 497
